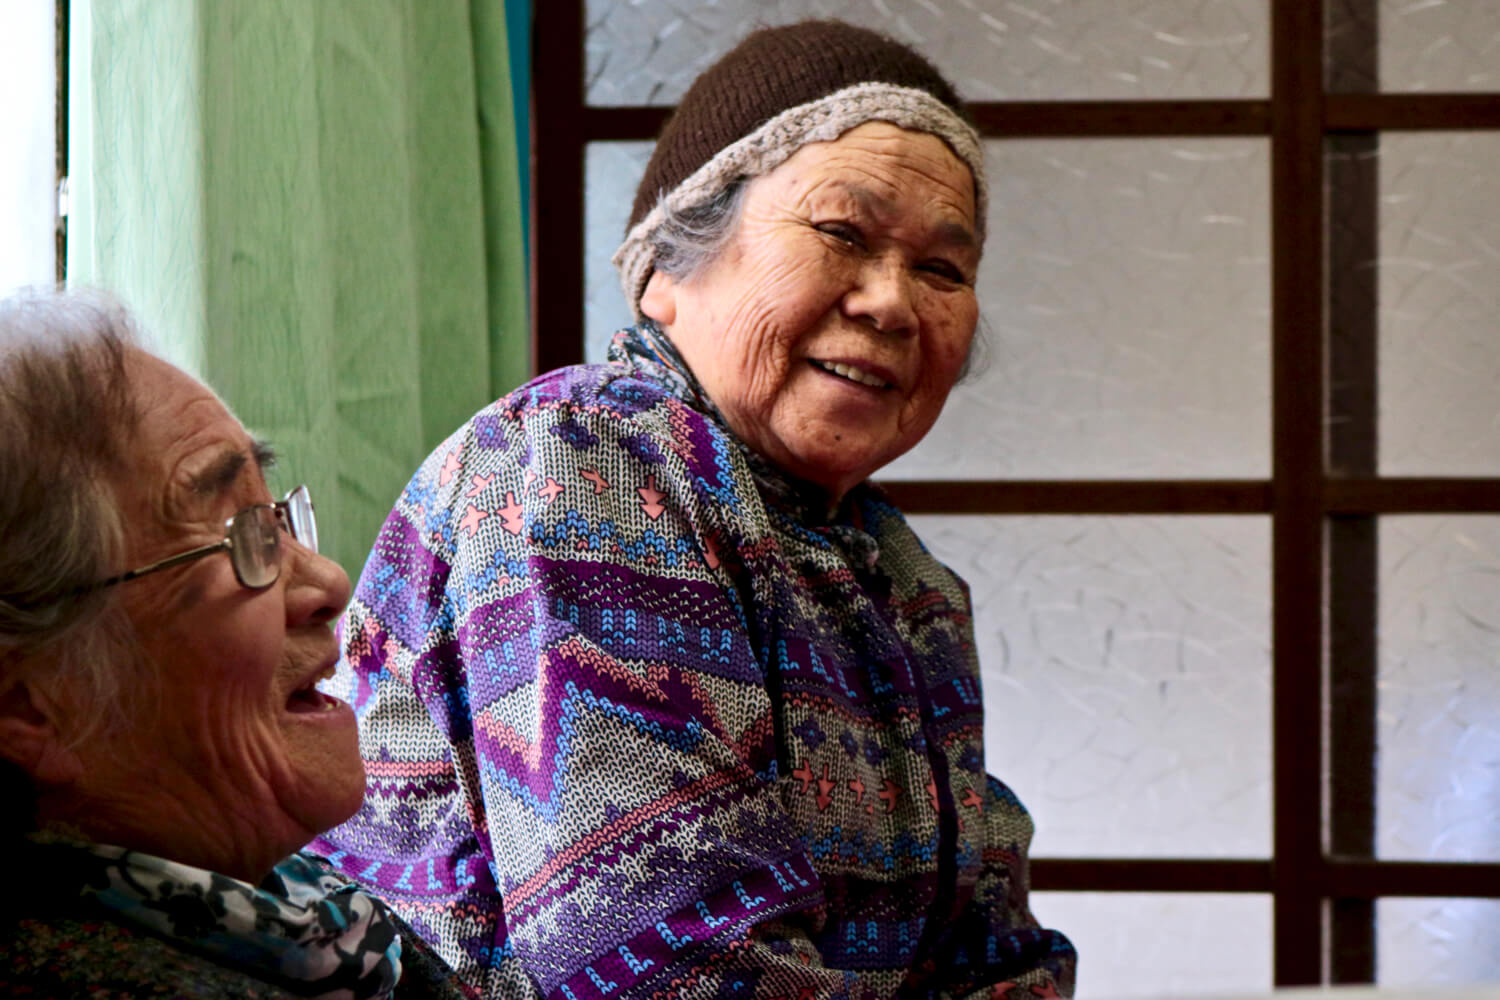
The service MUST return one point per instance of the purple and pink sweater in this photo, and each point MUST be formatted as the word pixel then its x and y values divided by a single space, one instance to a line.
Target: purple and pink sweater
pixel 641 718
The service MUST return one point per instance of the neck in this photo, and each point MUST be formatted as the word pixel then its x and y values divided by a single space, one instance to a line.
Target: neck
pixel 239 847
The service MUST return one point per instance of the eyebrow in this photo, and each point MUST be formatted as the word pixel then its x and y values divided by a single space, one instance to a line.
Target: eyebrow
pixel 221 474
pixel 950 233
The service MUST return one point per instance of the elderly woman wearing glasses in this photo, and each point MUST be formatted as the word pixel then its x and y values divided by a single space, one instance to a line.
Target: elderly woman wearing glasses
pixel 163 626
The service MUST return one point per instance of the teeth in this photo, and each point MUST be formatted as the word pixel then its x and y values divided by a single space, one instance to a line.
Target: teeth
pixel 852 374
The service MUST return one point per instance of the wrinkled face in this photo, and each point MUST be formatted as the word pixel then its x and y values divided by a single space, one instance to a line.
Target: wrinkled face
pixel 831 329
pixel 235 760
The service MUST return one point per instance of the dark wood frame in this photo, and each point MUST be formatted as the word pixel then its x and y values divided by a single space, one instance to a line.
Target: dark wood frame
pixel 1323 497
pixel 61 16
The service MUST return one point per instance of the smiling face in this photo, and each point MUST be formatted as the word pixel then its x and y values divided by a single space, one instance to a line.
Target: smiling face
pixel 831 329
pixel 233 760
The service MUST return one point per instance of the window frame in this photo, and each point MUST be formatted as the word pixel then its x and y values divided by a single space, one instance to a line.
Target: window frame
pixel 63 12
pixel 1324 496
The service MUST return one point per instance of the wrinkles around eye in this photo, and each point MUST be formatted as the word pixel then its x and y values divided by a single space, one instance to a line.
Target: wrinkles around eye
pixel 842 232
pixel 945 272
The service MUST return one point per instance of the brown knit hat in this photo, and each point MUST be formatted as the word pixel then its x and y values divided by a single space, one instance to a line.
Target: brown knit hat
pixel 773 93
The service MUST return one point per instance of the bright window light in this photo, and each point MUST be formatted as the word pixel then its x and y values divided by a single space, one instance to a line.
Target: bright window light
pixel 28 199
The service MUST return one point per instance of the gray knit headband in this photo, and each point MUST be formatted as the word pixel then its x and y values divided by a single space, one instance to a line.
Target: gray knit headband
pixel 767 147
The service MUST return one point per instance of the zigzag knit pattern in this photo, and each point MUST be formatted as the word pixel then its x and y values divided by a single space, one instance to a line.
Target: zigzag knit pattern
pixel 639 719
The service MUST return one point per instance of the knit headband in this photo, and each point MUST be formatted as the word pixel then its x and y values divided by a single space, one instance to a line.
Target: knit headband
pixel 766 148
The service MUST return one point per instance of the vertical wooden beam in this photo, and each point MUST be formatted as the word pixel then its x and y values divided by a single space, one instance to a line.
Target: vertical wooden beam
pixel 1353 564
pixel 557 234
pixel 60 64
pixel 1353 553
pixel 1297 469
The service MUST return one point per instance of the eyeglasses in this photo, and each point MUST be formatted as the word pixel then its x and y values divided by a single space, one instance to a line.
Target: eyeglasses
pixel 253 540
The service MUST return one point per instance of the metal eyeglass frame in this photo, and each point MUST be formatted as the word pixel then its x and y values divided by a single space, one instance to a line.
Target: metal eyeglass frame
pixel 294 513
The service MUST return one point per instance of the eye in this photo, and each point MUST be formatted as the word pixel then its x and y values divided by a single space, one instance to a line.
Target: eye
pixel 844 232
pixel 947 270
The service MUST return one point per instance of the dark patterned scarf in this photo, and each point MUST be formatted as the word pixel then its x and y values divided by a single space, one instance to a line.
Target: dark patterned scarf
pixel 303 929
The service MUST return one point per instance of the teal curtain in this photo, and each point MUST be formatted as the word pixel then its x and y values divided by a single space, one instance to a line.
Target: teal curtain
pixel 317 207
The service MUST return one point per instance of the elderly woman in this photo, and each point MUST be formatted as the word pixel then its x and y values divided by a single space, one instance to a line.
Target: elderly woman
pixel 163 623
pixel 658 696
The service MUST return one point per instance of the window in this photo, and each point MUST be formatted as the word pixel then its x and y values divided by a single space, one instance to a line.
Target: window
pixel 30 166
pixel 1230 515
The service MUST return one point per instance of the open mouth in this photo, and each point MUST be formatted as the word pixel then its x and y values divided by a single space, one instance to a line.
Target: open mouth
pixel 852 373
pixel 309 699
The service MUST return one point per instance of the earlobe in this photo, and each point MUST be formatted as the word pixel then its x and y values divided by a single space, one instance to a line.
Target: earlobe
pixel 659 300
pixel 30 736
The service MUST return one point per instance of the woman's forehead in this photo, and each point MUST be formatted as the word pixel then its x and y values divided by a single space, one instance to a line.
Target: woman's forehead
pixel 878 165
pixel 190 447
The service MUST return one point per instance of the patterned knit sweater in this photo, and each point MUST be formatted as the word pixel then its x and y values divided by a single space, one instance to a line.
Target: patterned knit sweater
pixel 642 718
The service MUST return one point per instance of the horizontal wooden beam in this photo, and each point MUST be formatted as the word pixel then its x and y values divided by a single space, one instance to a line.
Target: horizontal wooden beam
pixel 1363 878
pixel 1018 119
pixel 1126 119
pixel 1149 875
pixel 1332 878
pixel 1007 496
pixel 1404 112
pixel 623 124
pixel 1096 119
pixel 1412 496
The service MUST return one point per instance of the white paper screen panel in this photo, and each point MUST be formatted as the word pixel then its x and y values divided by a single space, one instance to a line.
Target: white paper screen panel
pixel 1125 293
pixel 1437 942
pixel 611 171
pixel 649 51
pixel 1439 303
pixel 1125 296
pixel 1126 674
pixel 1438 772
pixel 1164 944
pixel 1436 46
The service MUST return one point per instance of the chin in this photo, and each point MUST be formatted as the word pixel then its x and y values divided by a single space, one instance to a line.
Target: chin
pixel 343 798
pixel 833 469
pixel 332 783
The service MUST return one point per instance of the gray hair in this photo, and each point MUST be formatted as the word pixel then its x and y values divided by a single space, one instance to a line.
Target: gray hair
pixel 690 239
pixel 67 420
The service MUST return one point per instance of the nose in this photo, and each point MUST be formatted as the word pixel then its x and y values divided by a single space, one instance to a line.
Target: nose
pixel 882 297
pixel 317 588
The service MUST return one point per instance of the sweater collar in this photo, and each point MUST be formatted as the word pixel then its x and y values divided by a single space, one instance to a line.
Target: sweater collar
pixel 649 352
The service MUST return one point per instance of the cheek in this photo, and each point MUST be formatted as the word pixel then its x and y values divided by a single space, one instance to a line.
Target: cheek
pixel 218 677
pixel 949 347
pixel 793 283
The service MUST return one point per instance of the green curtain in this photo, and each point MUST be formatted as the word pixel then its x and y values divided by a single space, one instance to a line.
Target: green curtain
pixel 316 206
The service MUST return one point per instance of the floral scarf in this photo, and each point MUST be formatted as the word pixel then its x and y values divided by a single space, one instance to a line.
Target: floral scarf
pixel 303 929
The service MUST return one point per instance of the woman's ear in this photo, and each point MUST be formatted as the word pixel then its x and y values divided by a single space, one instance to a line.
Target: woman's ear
pixel 659 300
pixel 31 735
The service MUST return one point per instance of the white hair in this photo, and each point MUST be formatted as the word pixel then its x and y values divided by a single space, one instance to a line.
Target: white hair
pixel 67 420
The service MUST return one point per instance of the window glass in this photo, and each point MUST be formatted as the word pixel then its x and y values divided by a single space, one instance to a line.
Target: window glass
pixel 1438 772
pixel 650 51
pixel 1126 674
pixel 28 155
pixel 1164 944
